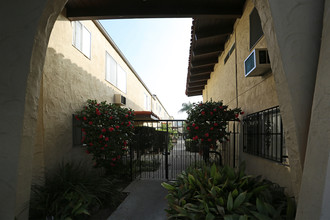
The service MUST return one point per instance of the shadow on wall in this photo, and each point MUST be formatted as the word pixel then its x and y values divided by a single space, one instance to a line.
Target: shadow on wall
pixel 65 89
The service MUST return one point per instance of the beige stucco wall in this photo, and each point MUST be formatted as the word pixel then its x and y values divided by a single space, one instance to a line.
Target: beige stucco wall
pixel 315 185
pixel 24 38
pixel 69 79
pixel 251 94
pixel 293 32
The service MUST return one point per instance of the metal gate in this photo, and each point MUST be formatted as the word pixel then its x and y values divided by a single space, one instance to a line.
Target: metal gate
pixel 161 150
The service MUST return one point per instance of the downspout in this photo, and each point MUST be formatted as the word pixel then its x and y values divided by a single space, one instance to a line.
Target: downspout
pixel 236 70
pixel 236 87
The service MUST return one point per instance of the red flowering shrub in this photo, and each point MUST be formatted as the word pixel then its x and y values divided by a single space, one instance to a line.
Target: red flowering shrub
pixel 207 122
pixel 107 130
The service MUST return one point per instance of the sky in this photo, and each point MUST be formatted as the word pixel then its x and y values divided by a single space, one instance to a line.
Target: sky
pixel 158 50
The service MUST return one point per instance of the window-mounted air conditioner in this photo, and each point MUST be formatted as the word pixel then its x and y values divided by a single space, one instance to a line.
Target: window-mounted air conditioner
pixel 120 99
pixel 257 63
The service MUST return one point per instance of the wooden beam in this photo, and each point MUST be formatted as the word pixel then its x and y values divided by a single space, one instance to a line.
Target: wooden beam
pixel 216 50
pixel 201 70
pixel 199 78
pixel 200 87
pixel 205 62
pixel 154 9
pixel 196 84
pixel 188 93
pixel 215 31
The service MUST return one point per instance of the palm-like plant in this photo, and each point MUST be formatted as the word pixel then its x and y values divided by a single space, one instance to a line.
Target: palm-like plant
pixel 186 107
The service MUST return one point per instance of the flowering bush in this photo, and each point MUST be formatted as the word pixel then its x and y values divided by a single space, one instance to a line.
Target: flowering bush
pixel 207 122
pixel 107 130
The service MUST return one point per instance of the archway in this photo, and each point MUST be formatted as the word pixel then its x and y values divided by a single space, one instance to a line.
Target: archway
pixel 28 26
pixel 22 64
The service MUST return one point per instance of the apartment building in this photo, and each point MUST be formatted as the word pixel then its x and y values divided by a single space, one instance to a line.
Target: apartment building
pixel 82 63
pixel 239 73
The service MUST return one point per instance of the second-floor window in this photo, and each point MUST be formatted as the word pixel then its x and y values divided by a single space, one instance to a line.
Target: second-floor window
pixel 146 102
pixel 114 73
pixel 81 38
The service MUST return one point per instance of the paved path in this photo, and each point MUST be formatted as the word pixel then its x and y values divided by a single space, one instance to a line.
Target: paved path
pixel 146 201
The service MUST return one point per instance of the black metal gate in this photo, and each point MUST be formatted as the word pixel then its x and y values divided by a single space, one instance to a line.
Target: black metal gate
pixel 161 150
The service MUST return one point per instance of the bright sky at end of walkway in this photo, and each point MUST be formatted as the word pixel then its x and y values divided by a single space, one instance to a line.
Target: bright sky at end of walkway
pixel 158 49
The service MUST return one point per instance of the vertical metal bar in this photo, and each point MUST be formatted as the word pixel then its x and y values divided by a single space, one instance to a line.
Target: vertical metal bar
pixel 166 151
pixel 281 135
pixel 139 159
pixel 257 134
pixel 278 122
pixel 234 152
pixel 131 161
pixel 275 133
pixel 272 136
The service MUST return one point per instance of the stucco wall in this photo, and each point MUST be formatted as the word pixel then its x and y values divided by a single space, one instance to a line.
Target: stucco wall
pixel 69 79
pixel 252 94
pixel 316 177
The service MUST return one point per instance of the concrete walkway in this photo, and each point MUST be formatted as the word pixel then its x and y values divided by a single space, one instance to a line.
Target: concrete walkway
pixel 146 201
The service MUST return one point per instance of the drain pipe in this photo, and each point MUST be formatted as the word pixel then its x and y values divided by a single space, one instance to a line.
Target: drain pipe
pixel 234 125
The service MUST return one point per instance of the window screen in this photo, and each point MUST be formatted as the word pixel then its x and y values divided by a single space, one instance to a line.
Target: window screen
pixel 82 38
pixel 121 79
pixel 114 73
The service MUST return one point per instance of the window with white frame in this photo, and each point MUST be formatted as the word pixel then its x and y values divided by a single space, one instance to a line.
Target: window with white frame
pixel 146 102
pixel 121 78
pixel 81 38
pixel 114 73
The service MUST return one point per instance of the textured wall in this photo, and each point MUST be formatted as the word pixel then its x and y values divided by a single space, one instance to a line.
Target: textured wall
pixel 69 79
pixel 23 42
pixel 293 32
pixel 251 93
pixel 316 176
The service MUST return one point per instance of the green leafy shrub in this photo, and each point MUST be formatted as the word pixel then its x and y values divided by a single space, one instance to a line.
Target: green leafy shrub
pixel 191 145
pixel 207 122
pixel 107 131
pixel 212 192
pixel 148 140
pixel 72 192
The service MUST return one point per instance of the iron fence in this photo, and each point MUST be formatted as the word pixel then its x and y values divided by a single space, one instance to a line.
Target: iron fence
pixel 162 150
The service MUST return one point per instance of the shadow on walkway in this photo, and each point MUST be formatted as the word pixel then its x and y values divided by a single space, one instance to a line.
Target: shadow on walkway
pixel 145 201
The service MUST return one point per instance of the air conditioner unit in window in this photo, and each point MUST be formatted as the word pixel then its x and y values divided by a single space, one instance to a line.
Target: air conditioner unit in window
pixel 120 99
pixel 257 63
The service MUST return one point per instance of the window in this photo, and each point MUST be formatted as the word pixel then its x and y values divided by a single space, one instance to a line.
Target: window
pixel 146 102
pixel 110 69
pixel 255 28
pixel 82 38
pixel 263 135
pixel 114 73
pixel 158 107
pixel 121 78
pixel 229 53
